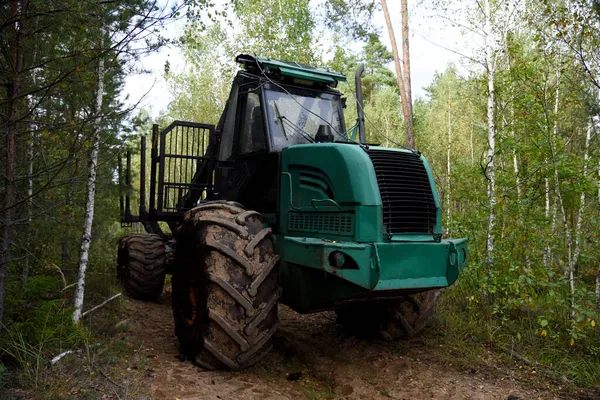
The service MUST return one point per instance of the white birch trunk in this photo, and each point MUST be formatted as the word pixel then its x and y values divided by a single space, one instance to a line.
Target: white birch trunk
pixel 491 104
pixel 548 248
pixel 91 195
pixel 567 230
pixel 577 248
pixel 514 150
pixel 553 223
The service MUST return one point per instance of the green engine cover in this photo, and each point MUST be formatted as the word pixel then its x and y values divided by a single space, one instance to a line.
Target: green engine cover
pixel 332 239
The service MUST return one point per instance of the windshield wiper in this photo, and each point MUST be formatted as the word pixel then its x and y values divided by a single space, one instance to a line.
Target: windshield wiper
pixel 298 129
pixel 280 118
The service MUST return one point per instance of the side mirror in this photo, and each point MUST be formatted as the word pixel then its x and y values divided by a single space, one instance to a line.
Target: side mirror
pixel 324 134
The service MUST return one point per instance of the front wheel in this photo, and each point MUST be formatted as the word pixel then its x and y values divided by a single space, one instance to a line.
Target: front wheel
pixel 225 287
pixel 390 320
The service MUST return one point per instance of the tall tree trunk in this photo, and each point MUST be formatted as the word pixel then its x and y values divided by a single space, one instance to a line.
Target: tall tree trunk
pixel 514 150
pixel 91 196
pixel 406 57
pixel 400 77
pixel 558 191
pixel 30 153
pixel 548 248
pixel 449 172
pixel 598 273
pixel 491 106
pixel 14 87
pixel 548 251
pixel 577 249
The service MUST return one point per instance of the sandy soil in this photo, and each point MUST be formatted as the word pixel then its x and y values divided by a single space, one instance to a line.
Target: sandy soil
pixel 312 359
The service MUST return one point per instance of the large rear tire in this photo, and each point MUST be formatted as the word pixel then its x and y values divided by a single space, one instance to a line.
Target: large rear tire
pixel 390 320
pixel 225 287
pixel 141 263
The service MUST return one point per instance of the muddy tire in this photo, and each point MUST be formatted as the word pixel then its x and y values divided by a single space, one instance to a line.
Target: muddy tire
pixel 225 287
pixel 393 320
pixel 141 263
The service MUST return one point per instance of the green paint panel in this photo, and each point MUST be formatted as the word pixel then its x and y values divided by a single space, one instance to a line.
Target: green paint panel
pixel 297 70
pixel 336 181
pixel 314 253
pixel 377 267
pixel 419 264
pixel 330 203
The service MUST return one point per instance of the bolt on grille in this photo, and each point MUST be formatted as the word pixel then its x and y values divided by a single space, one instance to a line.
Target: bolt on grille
pixel 408 203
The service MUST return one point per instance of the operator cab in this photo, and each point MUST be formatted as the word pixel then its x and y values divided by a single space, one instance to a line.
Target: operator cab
pixel 294 116
pixel 272 105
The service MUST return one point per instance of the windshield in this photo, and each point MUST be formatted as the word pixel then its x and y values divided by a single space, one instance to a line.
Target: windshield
pixel 295 119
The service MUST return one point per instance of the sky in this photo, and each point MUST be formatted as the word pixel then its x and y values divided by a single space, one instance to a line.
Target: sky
pixel 434 44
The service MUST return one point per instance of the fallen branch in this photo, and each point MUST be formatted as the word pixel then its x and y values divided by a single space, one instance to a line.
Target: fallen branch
pixel 110 380
pixel 61 355
pixel 68 286
pixel 61 274
pixel 66 353
pixel 101 304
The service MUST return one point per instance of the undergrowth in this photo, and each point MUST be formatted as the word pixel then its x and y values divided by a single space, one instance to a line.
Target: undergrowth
pixel 525 328
pixel 40 327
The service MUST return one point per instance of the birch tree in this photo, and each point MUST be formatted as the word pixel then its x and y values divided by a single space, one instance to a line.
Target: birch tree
pixel 91 194
pixel 490 68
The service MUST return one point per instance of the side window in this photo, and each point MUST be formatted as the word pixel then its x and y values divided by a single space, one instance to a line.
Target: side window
pixel 226 145
pixel 252 132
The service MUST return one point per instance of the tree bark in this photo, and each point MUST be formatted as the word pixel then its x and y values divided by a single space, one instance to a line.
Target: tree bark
pixel 449 171
pixel 558 191
pixel 14 87
pixel 548 247
pixel 577 248
pixel 30 153
pixel 406 56
pixel 491 106
pixel 91 196
pixel 400 77
pixel 598 273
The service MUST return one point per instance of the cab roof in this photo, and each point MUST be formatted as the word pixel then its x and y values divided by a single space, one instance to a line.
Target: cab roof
pixel 256 64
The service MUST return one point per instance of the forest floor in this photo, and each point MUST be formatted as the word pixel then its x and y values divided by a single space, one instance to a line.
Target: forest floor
pixel 313 359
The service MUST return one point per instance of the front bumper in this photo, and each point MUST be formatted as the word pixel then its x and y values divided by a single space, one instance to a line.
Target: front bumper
pixel 418 265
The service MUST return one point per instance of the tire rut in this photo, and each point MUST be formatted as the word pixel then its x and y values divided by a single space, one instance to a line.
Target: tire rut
pixel 313 359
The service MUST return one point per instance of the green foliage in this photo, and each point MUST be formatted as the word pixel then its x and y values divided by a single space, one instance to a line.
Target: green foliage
pixel 41 326
pixel 280 29
pixel 353 17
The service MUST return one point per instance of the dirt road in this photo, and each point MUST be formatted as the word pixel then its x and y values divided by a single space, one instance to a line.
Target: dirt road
pixel 312 359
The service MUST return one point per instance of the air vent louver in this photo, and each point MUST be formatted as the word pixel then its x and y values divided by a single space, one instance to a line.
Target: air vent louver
pixel 335 224
pixel 408 203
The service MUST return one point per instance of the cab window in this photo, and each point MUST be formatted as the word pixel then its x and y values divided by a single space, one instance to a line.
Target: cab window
pixel 252 132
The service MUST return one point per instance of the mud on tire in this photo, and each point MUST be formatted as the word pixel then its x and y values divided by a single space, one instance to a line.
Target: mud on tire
pixel 390 320
pixel 141 260
pixel 225 287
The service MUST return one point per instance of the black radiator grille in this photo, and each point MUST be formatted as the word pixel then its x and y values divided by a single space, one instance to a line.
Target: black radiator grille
pixel 408 203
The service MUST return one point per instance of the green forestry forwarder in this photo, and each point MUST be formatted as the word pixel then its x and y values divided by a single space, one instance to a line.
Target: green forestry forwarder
pixel 276 204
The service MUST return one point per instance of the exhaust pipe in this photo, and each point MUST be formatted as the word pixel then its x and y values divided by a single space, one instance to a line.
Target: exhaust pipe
pixel 359 104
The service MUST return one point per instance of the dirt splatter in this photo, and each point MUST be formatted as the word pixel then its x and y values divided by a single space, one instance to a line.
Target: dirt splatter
pixel 327 363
